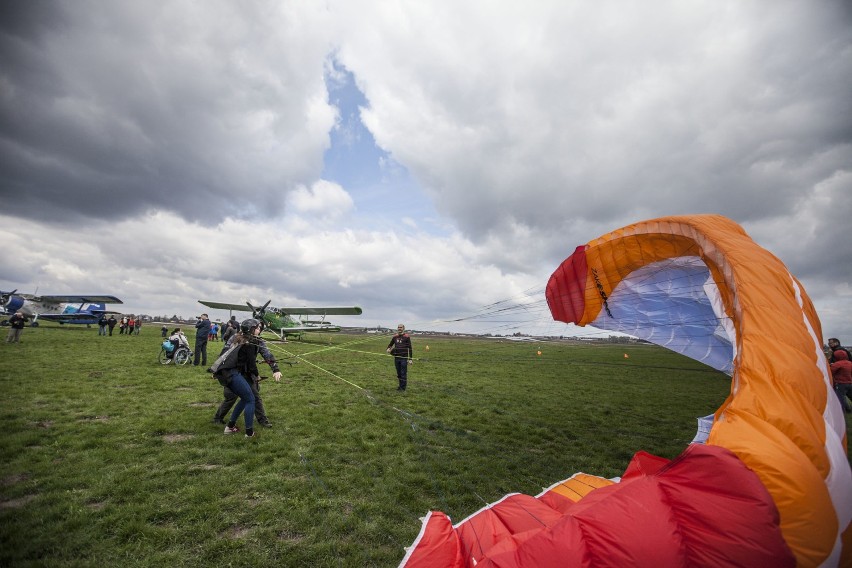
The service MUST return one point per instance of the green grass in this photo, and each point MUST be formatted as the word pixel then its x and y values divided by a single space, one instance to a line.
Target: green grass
pixel 110 458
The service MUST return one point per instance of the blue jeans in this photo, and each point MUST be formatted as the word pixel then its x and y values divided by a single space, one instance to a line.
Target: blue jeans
pixel 101 330
pixel 241 388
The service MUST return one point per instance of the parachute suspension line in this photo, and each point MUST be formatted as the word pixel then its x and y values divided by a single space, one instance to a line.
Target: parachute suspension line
pixel 418 434
pixel 338 377
pixel 425 439
pixel 306 462
pixel 600 289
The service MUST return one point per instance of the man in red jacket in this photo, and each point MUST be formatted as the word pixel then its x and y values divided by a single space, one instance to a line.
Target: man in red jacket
pixel 841 369
pixel 400 348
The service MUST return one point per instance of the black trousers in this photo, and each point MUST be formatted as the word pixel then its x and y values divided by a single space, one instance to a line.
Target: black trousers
pixel 200 350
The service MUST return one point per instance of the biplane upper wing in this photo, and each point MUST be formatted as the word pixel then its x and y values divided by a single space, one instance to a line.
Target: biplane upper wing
pixel 340 311
pixel 225 306
pixel 79 299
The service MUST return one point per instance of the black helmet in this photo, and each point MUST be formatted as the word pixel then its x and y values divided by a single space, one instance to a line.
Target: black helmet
pixel 247 326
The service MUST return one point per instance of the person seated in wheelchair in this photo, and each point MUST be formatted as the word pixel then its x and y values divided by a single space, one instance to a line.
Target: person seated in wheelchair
pixel 178 339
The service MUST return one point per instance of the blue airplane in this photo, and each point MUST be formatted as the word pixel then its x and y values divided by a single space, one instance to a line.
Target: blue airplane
pixel 72 308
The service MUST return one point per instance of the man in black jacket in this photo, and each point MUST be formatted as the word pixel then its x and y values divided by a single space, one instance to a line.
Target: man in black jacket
pixel 834 345
pixel 17 326
pixel 202 332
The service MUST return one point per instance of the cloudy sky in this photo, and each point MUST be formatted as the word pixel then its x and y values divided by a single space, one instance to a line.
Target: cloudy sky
pixel 427 161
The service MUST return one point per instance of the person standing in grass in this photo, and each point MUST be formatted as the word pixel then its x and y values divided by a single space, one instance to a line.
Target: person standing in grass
pixel 229 330
pixel 111 323
pixel 202 333
pixel 102 325
pixel 403 353
pixel 16 322
pixel 239 370
pixel 841 369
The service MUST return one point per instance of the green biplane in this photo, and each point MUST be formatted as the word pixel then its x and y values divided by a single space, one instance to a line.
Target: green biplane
pixel 289 322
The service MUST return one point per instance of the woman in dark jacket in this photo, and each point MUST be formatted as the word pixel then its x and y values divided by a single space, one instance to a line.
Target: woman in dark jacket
pixel 240 368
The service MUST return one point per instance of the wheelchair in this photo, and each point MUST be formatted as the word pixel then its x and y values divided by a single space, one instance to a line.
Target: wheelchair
pixel 180 356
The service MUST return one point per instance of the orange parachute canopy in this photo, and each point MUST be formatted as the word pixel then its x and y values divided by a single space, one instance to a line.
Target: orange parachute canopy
pixel 772 485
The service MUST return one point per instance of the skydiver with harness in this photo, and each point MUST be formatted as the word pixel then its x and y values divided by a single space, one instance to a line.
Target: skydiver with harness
pixel 236 370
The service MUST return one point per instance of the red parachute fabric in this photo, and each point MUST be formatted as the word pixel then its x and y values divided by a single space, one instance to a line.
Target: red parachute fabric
pixel 704 508
pixel 563 285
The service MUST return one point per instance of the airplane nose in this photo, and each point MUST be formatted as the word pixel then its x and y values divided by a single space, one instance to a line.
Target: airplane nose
pixel 14 303
pixel 6 296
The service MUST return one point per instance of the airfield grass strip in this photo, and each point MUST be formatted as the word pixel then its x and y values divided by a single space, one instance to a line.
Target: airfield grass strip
pixel 110 458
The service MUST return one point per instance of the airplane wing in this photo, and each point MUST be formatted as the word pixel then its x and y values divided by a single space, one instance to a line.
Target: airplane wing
pixel 353 311
pixel 297 329
pixel 76 316
pixel 79 299
pixel 304 311
pixel 224 306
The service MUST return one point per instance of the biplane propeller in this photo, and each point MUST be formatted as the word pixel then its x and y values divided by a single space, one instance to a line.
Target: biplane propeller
pixel 258 313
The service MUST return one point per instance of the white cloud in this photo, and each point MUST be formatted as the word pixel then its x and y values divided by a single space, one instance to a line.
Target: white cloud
pixel 323 200
pixel 152 149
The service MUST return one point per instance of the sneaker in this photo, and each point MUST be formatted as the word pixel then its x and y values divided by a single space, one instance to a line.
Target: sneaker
pixel 229 430
pixel 218 420
pixel 253 435
pixel 266 424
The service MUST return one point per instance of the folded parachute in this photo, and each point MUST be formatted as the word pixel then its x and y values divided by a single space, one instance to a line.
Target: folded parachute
pixel 772 485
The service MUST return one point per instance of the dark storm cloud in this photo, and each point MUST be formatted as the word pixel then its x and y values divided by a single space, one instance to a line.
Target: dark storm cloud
pixel 112 110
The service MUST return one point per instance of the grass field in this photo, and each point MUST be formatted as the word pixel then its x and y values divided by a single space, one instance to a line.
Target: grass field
pixel 110 458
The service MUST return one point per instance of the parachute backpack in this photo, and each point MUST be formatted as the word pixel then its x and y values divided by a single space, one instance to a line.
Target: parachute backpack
pixel 225 362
